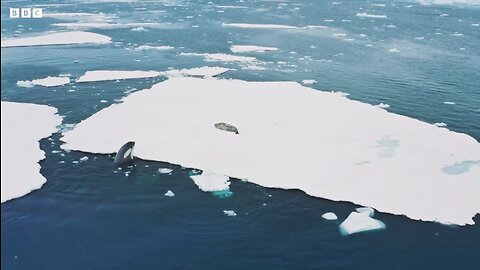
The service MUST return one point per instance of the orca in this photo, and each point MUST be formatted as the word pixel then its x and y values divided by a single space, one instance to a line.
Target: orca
pixel 125 154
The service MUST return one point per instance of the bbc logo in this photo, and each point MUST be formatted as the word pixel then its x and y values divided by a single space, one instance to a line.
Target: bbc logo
pixel 26 13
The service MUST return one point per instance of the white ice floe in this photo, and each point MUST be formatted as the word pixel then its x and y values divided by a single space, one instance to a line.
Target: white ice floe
pixel 164 170
pixel 230 213
pixel 330 216
pixel 207 72
pixel 85 158
pixel 366 15
pixel 440 124
pixel 112 75
pixel 169 194
pixel 382 106
pixel 349 150
pixel 360 222
pixel 148 47
pixel 105 25
pixel 258 26
pixel 309 81
pixel 251 48
pixel 394 50
pixel 222 57
pixel 23 125
pixel 64 38
pixel 139 29
pixel 210 181
pixel 46 82
pixel 449 102
pixel 367 210
pixel 450 2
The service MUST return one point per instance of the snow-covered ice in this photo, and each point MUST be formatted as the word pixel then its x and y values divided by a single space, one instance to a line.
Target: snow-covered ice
pixel 112 75
pixel 63 38
pixel 251 48
pixel 198 72
pixel 330 216
pixel 210 181
pixel 51 81
pixel 23 125
pixel 349 150
pixel 360 222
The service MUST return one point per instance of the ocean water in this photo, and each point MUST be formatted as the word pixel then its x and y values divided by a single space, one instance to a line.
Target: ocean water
pixel 90 215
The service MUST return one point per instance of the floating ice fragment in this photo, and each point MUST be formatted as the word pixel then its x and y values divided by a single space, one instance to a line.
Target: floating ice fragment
pixel 229 213
pixel 85 158
pixel 111 75
pixel 210 181
pixel 360 222
pixel 330 216
pixel 251 48
pixel 366 15
pixel 449 102
pixel 309 81
pixel 27 84
pixel 169 194
pixel 440 124
pixel 394 50
pixel 367 210
pixel 164 170
pixel 382 106
pixel 64 38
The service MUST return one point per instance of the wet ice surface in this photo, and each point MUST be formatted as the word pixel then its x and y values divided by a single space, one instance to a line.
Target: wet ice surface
pixel 432 74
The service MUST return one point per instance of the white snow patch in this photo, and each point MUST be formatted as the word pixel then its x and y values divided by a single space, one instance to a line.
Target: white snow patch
pixel 23 125
pixel 112 75
pixel 210 181
pixel 360 222
pixel 251 48
pixel 330 216
pixel 64 38
pixel 272 117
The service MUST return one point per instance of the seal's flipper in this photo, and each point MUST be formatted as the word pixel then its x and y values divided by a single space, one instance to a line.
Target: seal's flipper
pixel 125 154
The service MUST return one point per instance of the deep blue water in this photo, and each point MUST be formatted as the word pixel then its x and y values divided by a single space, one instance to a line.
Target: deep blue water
pixel 91 216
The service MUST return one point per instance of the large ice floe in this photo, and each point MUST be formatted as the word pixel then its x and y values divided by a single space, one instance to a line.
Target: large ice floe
pixel 113 75
pixel 23 125
pixel 63 38
pixel 46 82
pixel 341 149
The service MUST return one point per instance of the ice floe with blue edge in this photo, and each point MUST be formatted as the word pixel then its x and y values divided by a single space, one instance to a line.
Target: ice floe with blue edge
pixel 361 221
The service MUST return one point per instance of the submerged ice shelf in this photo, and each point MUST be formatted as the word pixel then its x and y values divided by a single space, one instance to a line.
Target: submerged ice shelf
pixel 23 125
pixel 342 149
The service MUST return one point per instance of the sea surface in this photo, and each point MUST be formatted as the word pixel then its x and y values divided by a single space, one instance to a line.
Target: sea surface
pixel 90 215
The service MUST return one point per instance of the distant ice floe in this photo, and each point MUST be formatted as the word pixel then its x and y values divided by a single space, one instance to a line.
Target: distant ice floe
pixel 210 181
pixel 106 25
pixel 112 75
pixel 258 26
pixel 251 48
pixel 449 102
pixel 394 50
pixel 309 81
pixel 272 117
pixel 46 82
pixel 63 38
pixel 361 221
pixel 23 125
pixel 366 15
pixel 169 194
pixel 221 57
pixel 148 47
pixel 449 2
pixel 230 213
pixel 330 216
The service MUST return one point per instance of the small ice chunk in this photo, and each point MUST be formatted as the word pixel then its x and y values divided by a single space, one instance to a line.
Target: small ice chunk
pixel 367 210
pixel 210 181
pixel 382 106
pixel 25 84
pixel 449 102
pixel 360 222
pixel 85 158
pixel 440 124
pixel 164 170
pixel 394 50
pixel 229 213
pixel 330 216
pixel 309 81
pixel 169 193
